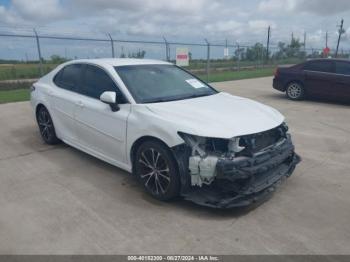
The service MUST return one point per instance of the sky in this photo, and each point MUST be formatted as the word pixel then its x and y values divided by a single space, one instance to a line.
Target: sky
pixel 243 22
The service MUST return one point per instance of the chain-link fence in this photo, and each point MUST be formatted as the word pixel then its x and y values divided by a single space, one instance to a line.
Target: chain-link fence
pixel 26 57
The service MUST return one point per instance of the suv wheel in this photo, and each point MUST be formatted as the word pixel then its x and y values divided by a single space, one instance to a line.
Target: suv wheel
pixel 295 91
pixel 156 169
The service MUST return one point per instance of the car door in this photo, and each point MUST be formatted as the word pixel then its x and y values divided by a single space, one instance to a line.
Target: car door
pixel 99 129
pixel 319 75
pixel 341 85
pixel 64 99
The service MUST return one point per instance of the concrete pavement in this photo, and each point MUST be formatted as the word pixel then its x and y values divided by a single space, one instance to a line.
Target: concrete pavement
pixel 57 200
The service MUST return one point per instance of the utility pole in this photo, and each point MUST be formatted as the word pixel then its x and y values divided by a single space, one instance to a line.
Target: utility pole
pixel 341 31
pixel 268 44
pixel 292 37
pixel 326 39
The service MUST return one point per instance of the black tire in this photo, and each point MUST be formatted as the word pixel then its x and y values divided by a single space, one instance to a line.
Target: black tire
pixel 295 91
pixel 46 127
pixel 156 169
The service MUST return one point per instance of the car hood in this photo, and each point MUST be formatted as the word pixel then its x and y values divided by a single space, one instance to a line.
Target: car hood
pixel 221 115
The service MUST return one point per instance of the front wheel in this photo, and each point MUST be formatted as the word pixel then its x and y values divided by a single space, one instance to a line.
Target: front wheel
pixel 295 91
pixel 46 127
pixel 156 169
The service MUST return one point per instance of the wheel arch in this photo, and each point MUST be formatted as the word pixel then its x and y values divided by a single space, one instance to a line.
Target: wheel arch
pixel 38 106
pixel 138 142
pixel 294 81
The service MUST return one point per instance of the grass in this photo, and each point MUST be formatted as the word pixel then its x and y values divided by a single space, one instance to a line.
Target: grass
pixel 22 71
pixel 17 95
pixel 237 75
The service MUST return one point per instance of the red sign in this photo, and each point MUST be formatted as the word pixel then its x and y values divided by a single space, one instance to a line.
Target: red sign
pixel 326 50
pixel 182 56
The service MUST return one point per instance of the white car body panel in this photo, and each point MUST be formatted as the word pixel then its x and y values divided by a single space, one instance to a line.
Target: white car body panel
pixel 90 125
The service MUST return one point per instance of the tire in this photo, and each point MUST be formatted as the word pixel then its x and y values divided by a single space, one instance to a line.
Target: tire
pixel 156 169
pixel 295 91
pixel 46 127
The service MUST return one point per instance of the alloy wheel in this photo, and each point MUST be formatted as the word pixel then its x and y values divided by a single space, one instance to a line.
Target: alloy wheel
pixel 154 171
pixel 294 91
pixel 45 125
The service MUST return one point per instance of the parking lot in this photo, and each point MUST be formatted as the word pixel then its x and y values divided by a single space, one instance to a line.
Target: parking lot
pixel 57 200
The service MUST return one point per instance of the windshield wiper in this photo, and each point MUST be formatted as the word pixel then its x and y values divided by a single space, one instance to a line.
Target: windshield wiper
pixel 175 98
pixel 196 95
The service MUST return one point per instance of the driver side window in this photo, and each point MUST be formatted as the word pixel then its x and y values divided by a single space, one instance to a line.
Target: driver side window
pixel 96 81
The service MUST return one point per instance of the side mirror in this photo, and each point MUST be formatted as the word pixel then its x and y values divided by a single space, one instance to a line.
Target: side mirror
pixel 110 98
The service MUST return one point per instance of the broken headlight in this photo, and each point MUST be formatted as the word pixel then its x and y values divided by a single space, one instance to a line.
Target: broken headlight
pixel 204 156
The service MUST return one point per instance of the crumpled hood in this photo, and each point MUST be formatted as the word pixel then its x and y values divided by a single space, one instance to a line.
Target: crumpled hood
pixel 221 115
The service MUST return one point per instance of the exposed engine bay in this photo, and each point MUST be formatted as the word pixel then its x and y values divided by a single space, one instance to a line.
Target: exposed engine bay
pixel 236 172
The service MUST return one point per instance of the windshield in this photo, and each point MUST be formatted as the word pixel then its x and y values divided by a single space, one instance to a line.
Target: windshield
pixel 161 83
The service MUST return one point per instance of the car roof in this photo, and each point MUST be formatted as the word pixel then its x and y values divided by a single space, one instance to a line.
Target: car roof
pixel 120 61
pixel 328 59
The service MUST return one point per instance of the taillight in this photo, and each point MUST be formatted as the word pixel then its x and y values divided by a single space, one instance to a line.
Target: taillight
pixel 276 72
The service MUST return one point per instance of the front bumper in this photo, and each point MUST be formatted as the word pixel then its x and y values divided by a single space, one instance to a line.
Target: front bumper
pixel 242 181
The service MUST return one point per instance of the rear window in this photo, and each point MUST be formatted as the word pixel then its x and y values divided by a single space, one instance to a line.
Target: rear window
pixel 319 66
pixel 342 68
pixel 69 77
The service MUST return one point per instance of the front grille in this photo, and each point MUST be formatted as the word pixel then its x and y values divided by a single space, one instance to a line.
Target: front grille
pixel 257 142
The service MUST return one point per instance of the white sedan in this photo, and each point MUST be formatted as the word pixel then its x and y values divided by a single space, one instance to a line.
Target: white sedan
pixel 175 133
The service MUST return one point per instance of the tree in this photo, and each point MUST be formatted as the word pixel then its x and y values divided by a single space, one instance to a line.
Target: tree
pixel 190 56
pixel 256 52
pixel 56 59
pixel 138 54
pixel 291 50
pixel 239 53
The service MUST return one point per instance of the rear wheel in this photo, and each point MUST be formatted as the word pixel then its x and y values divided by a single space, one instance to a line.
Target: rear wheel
pixel 46 127
pixel 156 169
pixel 295 91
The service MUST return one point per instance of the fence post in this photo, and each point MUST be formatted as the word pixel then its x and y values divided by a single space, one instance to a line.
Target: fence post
pixel 208 59
pixel 239 57
pixel 268 44
pixel 39 52
pixel 167 53
pixel 112 45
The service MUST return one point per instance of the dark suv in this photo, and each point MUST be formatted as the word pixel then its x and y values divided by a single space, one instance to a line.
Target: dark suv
pixel 324 78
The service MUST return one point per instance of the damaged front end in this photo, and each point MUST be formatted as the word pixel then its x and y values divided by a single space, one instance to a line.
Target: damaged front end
pixel 226 173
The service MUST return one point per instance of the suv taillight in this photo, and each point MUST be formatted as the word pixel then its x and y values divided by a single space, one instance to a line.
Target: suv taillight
pixel 276 72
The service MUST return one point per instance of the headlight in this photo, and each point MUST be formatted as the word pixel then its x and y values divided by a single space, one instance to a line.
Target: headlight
pixel 194 142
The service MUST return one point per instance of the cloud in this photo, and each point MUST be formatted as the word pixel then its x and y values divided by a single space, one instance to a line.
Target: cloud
pixel 271 6
pixel 188 20
pixel 38 10
pixel 144 6
pixel 323 7
pixel 317 7
pixel 228 26
pixel 260 25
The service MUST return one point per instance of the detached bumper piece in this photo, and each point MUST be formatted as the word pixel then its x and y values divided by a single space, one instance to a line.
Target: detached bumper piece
pixel 243 180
